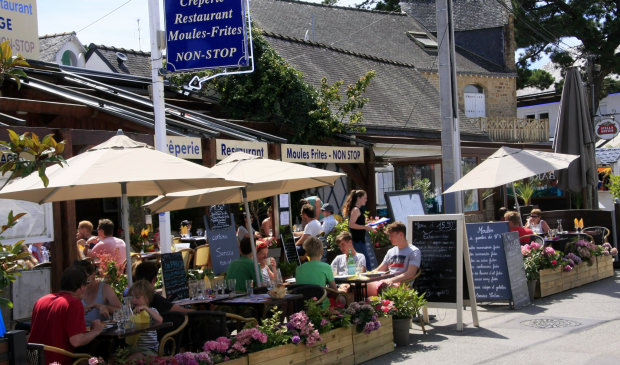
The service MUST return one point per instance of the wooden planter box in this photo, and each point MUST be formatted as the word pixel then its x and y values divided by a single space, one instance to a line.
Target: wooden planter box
pixel 570 279
pixel 240 361
pixel 282 355
pixel 375 344
pixel 550 282
pixel 339 344
pixel 605 266
pixel 587 272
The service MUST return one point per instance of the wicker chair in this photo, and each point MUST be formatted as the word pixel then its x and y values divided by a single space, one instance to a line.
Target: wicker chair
pixel 35 354
pixel 603 230
pixel 201 257
pixel 205 325
pixel 533 238
pixel 170 340
pixel 79 358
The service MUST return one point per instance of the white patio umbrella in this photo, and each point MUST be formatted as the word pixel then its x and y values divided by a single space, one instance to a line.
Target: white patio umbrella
pixel 119 167
pixel 507 165
pixel 263 178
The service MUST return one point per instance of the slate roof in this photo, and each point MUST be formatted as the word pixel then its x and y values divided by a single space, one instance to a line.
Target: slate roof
pixel 607 155
pixel 375 33
pixel 138 63
pixel 50 44
pixel 467 14
pixel 402 101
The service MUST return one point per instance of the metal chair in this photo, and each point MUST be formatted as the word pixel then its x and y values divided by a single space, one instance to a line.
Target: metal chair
pixel 170 340
pixel 201 257
pixel 35 354
pixel 80 358
pixel 534 238
pixel 309 291
pixel 604 232
pixel 206 325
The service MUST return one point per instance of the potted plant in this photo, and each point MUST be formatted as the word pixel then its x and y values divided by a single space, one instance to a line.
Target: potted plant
pixel 525 191
pixel 287 269
pixel 407 303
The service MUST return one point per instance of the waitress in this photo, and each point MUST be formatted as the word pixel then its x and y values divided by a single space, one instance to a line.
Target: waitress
pixel 357 221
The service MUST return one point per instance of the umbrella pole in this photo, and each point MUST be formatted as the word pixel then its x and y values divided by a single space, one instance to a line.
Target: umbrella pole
pixel 248 222
pixel 514 192
pixel 125 219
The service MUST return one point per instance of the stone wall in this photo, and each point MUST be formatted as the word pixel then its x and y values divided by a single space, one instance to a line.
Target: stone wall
pixel 500 92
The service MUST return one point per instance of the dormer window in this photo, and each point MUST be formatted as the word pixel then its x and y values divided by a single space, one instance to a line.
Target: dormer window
pixel 422 39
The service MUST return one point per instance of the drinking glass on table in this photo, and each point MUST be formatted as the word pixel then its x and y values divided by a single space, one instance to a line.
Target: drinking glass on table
pixel 232 285
pixel 249 287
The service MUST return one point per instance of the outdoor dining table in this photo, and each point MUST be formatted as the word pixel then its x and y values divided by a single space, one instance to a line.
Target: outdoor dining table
pixel 136 328
pixel 262 303
pixel 194 241
pixel 195 302
pixel 360 284
pixel 562 239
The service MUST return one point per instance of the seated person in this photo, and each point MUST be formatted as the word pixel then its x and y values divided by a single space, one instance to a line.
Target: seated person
pixel 514 224
pixel 315 271
pixel 99 299
pixel 39 252
pixel 109 244
pixel 58 318
pixel 267 264
pixel 345 243
pixel 85 238
pixel 312 228
pixel 145 343
pixel 148 271
pixel 403 259
pixel 329 222
pixel 242 231
pixel 536 223
pixel 242 269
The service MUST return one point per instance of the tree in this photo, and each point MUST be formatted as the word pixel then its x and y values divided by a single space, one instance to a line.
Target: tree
pixel 541 25
pixel 384 5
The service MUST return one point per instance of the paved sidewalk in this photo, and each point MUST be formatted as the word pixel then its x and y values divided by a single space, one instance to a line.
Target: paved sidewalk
pixel 578 326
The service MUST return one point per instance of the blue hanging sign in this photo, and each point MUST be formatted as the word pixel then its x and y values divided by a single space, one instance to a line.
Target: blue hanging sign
pixel 205 34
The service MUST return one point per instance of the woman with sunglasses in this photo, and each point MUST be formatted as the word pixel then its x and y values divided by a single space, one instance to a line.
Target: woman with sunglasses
pixel 536 223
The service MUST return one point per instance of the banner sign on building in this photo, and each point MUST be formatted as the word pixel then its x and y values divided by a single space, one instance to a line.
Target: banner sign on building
pixel 225 147
pixel 606 128
pixel 203 34
pixel 322 154
pixel 18 25
pixel 189 148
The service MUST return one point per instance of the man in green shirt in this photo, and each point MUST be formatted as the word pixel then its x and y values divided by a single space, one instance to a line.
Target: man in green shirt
pixel 242 269
pixel 315 271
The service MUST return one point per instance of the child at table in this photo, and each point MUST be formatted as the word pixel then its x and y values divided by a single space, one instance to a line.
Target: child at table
pixel 145 343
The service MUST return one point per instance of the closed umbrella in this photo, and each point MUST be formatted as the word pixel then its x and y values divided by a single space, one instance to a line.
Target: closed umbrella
pixel 263 177
pixel 574 135
pixel 507 165
pixel 119 167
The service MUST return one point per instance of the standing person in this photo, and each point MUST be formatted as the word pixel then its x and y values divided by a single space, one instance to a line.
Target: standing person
pixel 345 243
pixel 536 223
pixel 186 229
pixel 329 222
pixel 315 201
pixel 403 259
pixel 266 226
pixel 115 247
pixel 312 228
pixel 514 224
pixel 58 318
pixel 98 299
pixel 357 221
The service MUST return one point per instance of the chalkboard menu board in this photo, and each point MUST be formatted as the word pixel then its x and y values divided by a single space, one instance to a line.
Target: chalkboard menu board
pixel 404 203
pixel 219 217
pixel 437 239
pixel 173 272
pixel 488 262
pixel 516 271
pixel 224 247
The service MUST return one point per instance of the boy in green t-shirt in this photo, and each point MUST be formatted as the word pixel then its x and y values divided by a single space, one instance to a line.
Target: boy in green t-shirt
pixel 315 271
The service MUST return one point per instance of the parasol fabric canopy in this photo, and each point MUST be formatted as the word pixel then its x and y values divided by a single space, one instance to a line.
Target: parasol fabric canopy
pixel 263 178
pixel 507 165
pixel 574 134
pixel 119 167
pixel 98 172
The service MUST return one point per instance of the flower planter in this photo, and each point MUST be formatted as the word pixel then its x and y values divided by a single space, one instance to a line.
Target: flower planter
pixel 550 282
pixel 400 329
pixel 239 361
pixel 374 344
pixel 339 344
pixel 587 272
pixel 605 266
pixel 282 355
pixel 570 279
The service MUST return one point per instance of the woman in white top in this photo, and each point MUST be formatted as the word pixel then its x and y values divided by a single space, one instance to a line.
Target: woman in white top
pixel 536 223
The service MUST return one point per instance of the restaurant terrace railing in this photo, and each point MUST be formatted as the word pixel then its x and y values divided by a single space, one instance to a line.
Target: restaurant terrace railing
pixel 514 129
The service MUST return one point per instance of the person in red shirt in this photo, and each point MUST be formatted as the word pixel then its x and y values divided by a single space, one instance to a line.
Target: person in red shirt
pixel 58 318
pixel 514 224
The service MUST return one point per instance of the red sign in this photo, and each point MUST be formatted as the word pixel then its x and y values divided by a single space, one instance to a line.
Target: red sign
pixel 606 129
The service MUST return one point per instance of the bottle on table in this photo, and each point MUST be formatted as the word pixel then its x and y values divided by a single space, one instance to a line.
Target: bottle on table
pixel 350 263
